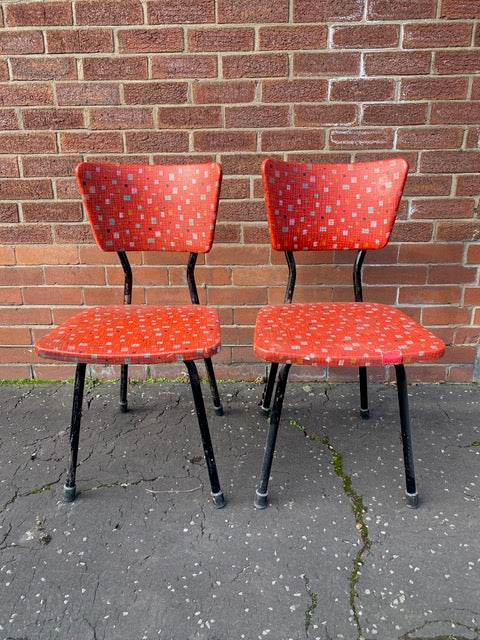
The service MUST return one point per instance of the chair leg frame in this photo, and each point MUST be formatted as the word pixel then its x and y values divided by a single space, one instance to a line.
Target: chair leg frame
pixel 217 403
pixel 217 494
pixel 123 388
pixel 364 410
pixel 69 489
pixel 261 495
pixel 411 490
pixel 268 388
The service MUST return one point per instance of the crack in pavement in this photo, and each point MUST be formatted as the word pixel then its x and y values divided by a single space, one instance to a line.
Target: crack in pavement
pixel 309 613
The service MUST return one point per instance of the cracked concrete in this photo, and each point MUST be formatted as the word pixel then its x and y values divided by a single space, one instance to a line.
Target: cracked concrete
pixel 143 554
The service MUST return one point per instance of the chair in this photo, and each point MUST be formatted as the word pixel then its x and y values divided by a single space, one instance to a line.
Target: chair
pixel 314 207
pixel 145 208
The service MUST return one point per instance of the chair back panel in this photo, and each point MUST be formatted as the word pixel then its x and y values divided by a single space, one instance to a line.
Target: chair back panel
pixel 314 207
pixel 151 207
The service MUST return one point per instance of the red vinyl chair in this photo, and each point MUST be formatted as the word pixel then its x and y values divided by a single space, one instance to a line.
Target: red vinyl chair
pixel 145 208
pixel 314 207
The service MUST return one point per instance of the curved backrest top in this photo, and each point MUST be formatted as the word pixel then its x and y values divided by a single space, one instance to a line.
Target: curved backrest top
pixel 136 207
pixel 313 207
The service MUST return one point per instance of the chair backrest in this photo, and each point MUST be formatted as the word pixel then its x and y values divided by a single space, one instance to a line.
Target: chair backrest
pixel 136 207
pixel 314 207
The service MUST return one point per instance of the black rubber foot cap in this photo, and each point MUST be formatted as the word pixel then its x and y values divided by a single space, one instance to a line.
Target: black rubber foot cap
pixel 219 411
pixel 218 500
pixel 69 493
pixel 365 413
pixel 412 500
pixel 123 407
pixel 261 500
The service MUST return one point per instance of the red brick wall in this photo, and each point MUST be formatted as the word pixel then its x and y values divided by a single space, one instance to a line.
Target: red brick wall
pixel 235 81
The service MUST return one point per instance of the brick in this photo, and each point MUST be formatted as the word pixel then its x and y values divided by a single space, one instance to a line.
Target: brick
pixel 189 117
pixel 224 92
pixel 53 119
pixel 255 65
pixel 455 112
pixel 26 94
pixel 447 315
pixel 248 211
pixel 25 189
pixel 326 64
pixel 392 10
pixel 218 141
pixel 431 253
pixel 17 354
pixel 442 208
pixel 241 295
pixel 430 295
pixel 460 9
pixel 52 295
pixel 38 14
pixel 21 42
pixel 228 233
pixel 7 256
pixel 180 11
pixel 378 274
pixel 221 39
pixel 292 139
pixel 395 114
pixel 464 61
pixel 76 275
pixel 431 35
pixel 412 231
pixel 23 316
pixel 22 276
pixel 73 234
pixel 48 68
pixel 361 138
pixel 439 274
pixel 244 255
pixel 429 138
pixel 150 40
pixel 52 211
pixel 108 12
pixel 296 90
pixel 15 336
pixel 369 36
pixel 293 37
pixel 67 188
pixel 8 212
pixel 450 162
pixel 121 118
pixel 402 63
pixel 116 68
pixel 455 231
pixel 4 73
pixel 90 142
pixel 473 138
pixel 434 88
pixel 324 115
pixel 327 10
pixel 460 374
pixel 242 163
pixel 362 90
pixel 244 11
pixel 157 141
pixel 49 166
pixel 12 372
pixel 256 116
pixel 8 167
pixel 468 185
pixel 25 234
pixel 8 120
pixel 155 92
pixel 54 254
pixel 472 298
pixel 473 253
pixel 87 94
pixel 427 185
pixel 184 66
pixel 79 41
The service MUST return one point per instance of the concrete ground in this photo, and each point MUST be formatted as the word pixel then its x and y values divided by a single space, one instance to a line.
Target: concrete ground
pixel 143 554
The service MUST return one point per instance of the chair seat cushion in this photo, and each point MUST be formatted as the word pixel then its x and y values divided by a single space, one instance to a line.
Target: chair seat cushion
pixel 342 334
pixel 134 334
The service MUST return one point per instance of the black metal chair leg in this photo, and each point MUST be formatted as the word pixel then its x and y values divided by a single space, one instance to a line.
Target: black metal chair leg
pixel 364 410
pixel 123 388
pixel 217 403
pixel 261 494
pixel 268 389
pixel 217 494
pixel 411 492
pixel 69 490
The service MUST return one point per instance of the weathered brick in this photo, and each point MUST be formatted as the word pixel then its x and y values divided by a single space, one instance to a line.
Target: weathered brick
pixel 25 234
pixel 460 9
pixel 454 274
pixel 21 42
pixel 189 117
pixel 26 94
pixel 325 114
pixel 255 65
pixel 25 189
pixel 372 138
pixel 53 119
pixel 224 92
pixel 8 212
pixel 87 93
pixel 121 118
pixel 52 295
pixel 368 36
pixel 383 63
pixel 235 188
pixel 362 90
pixel 468 185
pixel 15 336
pixel 40 166
pixel 23 276
pixel 79 40
pixel 72 142
pixel 184 66
pixel 429 138
pixel 454 88
pixel 437 208
pixel 242 163
pixel 395 114
pixel 78 275
pixel 28 142
pixel 447 252
pixel 219 141
pixel 54 254
pixel 290 139
pixel 392 10
pixel 301 90
pixel 429 295
pixel 38 14
pixel 150 40
pixel 157 141
pixel 8 119
pixel 244 11
pixel 224 39
pixel 108 12
pixel 180 11
pixel 327 10
pixel 4 72
pixel 155 92
pixel 431 35
pixel 47 68
pixel 73 234
pixel 67 188
pixel 8 167
pixel 473 138
pixel 427 185
pixel 464 61
pixel 455 112
pixel 450 162
pixel 52 211
pixel 256 116
pixel 293 37
pixel 118 68
pixel 326 64
pixel 467 231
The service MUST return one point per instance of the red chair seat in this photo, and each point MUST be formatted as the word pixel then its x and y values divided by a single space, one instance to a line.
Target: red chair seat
pixel 134 334
pixel 343 334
